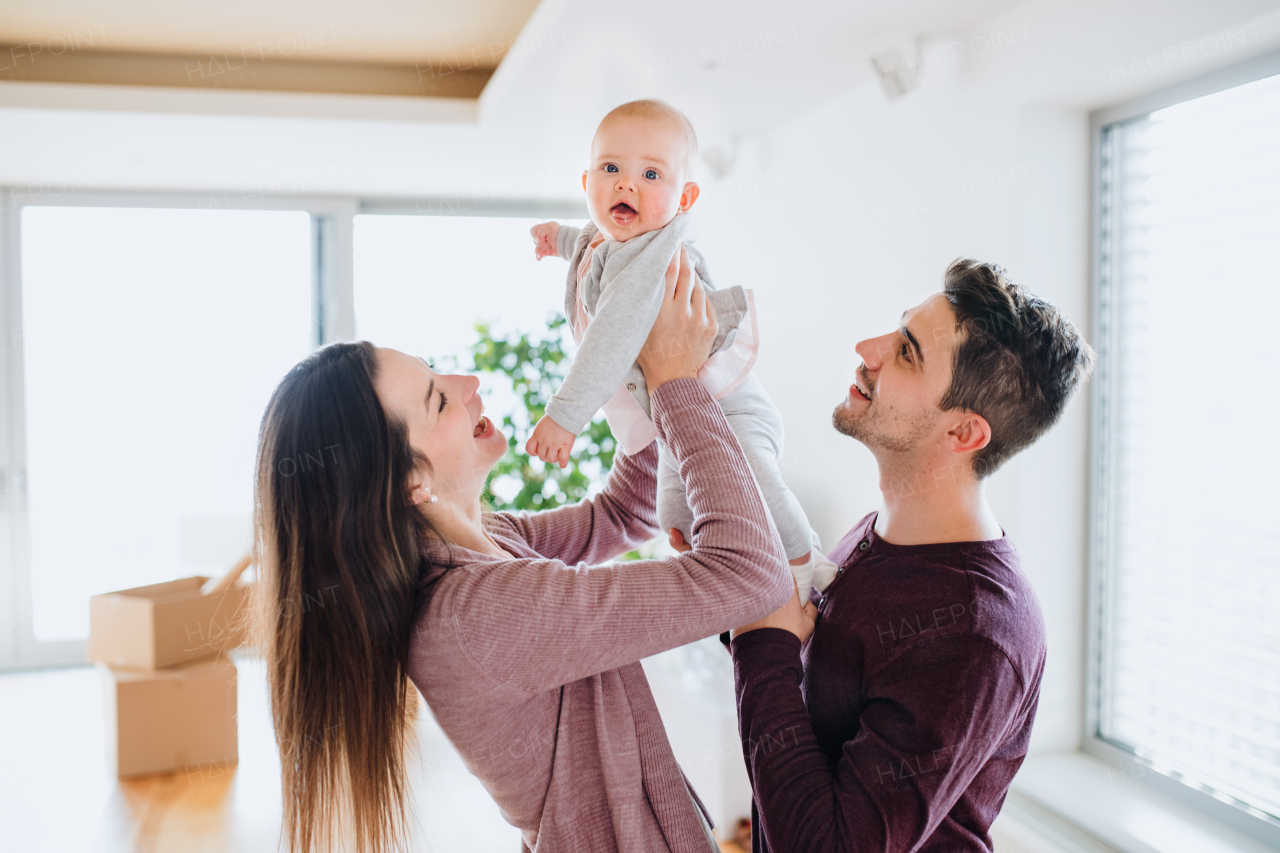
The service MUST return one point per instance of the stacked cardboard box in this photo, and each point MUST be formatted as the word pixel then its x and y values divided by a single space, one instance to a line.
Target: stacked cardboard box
pixel 169 689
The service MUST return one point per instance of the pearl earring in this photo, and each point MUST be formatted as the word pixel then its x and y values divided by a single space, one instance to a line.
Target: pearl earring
pixel 433 499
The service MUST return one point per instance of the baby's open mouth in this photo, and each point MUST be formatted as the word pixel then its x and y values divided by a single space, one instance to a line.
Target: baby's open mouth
pixel 623 213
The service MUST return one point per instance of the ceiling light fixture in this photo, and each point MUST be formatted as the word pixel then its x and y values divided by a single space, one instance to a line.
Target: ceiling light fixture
pixel 898 69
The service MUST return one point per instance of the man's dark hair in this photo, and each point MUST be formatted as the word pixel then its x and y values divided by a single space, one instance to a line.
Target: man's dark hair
pixel 1017 360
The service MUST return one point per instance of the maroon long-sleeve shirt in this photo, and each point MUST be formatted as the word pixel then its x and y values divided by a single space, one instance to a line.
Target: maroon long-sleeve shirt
pixel 531 665
pixel 899 725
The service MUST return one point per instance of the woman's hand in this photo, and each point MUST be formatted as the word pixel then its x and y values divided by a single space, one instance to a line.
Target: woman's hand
pixel 681 338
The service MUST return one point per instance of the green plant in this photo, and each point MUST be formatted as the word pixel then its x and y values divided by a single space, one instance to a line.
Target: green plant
pixel 535 366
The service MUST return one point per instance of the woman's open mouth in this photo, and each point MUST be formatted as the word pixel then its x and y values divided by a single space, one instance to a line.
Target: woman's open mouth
pixel 623 213
pixel 484 428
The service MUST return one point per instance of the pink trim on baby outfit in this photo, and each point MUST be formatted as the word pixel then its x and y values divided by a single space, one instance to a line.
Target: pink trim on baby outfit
pixel 727 369
pixel 722 373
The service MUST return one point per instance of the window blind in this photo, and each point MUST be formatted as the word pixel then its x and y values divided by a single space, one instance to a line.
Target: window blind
pixel 1189 506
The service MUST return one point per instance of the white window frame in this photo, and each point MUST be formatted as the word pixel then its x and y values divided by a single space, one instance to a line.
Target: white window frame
pixel 1213 804
pixel 332 319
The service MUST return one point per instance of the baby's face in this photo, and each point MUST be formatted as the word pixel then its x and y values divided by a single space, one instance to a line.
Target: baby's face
pixel 635 183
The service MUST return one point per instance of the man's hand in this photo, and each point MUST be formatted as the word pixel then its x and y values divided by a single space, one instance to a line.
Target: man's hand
pixel 544 239
pixel 550 442
pixel 789 617
pixel 681 338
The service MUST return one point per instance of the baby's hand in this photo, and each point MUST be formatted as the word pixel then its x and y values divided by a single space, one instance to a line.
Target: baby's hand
pixel 544 242
pixel 550 442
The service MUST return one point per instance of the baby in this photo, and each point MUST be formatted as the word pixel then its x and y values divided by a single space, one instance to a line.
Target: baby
pixel 638 190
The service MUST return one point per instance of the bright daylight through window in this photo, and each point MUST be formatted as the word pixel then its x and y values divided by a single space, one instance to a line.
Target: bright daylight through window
pixel 152 341
pixel 1189 510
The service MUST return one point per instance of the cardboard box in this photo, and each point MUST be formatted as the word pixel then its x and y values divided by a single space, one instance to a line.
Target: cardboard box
pixel 156 626
pixel 171 719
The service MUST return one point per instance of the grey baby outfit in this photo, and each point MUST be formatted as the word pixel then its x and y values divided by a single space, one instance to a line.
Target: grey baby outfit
pixel 612 305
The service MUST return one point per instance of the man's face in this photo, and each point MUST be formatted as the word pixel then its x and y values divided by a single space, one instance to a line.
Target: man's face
pixel 893 401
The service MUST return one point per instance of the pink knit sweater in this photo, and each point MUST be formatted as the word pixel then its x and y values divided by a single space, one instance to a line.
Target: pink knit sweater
pixel 531 666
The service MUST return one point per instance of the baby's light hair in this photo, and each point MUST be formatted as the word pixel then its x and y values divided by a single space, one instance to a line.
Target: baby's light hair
pixel 652 108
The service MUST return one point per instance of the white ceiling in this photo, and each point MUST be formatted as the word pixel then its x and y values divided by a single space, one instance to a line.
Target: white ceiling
pixel 391 31
pixel 737 68
pixel 576 59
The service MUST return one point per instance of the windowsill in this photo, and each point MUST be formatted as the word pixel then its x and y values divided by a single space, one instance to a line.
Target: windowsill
pixel 1078 798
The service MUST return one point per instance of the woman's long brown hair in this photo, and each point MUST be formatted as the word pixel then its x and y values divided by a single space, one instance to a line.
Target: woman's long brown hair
pixel 339 561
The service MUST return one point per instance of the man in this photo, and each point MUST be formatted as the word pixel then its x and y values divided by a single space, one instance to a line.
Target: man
pixel 900 723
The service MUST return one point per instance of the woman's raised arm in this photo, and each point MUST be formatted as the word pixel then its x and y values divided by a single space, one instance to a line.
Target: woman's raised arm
pixel 621 517
pixel 535 624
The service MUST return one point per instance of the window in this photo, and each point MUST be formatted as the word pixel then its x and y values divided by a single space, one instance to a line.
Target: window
pixel 421 282
pixel 1186 541
pixel 149 352
pixel 143 337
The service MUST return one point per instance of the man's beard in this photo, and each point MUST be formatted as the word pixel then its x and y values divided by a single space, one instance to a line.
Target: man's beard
pixel 864 428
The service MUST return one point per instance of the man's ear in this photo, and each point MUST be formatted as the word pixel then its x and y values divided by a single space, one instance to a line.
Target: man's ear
pixel 584 181
pixel 968 434
pixel 687 198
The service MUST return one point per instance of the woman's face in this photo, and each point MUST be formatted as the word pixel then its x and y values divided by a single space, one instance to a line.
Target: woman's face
pixel 446 424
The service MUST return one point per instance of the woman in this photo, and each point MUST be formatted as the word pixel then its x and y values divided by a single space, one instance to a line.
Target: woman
pixel 380 568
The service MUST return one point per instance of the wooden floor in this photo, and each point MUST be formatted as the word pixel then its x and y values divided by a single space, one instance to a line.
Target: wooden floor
pixel 56 793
